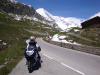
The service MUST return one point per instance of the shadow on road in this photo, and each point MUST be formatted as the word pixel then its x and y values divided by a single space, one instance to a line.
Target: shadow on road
pixel 36 67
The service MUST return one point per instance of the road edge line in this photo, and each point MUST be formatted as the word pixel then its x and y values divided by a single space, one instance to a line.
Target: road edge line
pixel 72 68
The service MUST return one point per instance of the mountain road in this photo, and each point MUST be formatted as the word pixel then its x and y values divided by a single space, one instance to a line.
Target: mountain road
pixel 61 61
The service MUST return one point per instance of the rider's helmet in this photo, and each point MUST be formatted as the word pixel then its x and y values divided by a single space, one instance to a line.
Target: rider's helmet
pixel 32 38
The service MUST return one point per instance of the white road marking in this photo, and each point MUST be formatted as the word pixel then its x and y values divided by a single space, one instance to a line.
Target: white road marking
pixel 72 69
pixel 65 65
pixel 48 56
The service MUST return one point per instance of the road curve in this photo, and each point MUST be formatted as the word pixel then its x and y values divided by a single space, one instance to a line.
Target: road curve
pixel 49 67
pixel 83 63
pixel 61 61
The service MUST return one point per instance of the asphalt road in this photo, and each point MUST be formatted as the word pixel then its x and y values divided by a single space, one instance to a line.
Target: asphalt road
pixel 61 61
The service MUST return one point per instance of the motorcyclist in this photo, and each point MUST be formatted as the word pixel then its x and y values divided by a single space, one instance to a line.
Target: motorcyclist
pixel 32 42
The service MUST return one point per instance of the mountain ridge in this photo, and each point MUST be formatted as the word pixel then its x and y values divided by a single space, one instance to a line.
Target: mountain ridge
pixel 23 11
pixel 19 10
pixel 62 22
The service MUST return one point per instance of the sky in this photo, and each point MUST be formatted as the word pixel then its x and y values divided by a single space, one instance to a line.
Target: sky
pixel 67 8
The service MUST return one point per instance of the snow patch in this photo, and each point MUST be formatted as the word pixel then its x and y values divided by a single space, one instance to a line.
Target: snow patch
pixel 14 1
pixel 97 14
pixel 4 43
pixel 23 3
pixel 62 22
pixel 61 38
pixel 45 14
pixel 17 17
pixel 76 30
pixel 30 6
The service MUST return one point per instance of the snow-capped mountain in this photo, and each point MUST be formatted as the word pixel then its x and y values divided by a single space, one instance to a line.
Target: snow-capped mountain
pixel 13 1
pixel 63 23
pixel 45 14
pixel 97 14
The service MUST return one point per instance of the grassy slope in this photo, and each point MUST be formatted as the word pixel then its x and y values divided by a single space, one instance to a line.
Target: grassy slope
pixel 88 37
pixel 92 34
pixel 14 33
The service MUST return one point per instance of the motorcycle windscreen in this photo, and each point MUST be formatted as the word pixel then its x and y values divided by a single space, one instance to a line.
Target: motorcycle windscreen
pixel 29 53
pixel 30 50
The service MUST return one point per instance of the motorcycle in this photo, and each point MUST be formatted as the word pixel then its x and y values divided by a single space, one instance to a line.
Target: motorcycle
pixel 33 59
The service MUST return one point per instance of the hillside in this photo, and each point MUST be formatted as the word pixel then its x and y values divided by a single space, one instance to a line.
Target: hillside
pixel 6 6
pixel 88 36
pixel 16 8
pixel 14 33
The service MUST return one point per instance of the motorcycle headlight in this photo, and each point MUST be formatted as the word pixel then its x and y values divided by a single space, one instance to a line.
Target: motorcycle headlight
pixel 29 53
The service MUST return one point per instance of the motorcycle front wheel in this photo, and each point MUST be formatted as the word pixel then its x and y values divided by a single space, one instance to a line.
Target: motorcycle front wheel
pixel 30 67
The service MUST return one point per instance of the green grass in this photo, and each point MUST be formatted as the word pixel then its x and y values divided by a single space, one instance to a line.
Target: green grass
pixel 13 32
pixel 88 37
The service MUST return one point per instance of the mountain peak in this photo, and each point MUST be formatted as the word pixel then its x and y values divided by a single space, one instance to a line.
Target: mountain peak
pixel 13 1
pixel 42 9
pixel 45 14
pixel 62 22
pixel 30 6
